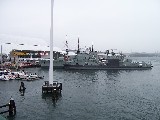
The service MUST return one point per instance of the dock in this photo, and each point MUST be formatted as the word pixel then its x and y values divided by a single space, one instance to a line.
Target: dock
pixel 54 88
pixel 11 108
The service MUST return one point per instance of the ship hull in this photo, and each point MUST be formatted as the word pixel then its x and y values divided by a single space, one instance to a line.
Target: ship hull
pixel 56 64
pixel 54 67
pixel 78 67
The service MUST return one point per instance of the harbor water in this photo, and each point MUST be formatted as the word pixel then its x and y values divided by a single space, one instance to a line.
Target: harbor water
pixel 89 95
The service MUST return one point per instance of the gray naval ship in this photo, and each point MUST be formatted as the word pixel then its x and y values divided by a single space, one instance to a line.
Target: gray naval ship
pixel 58 62
pixel 93 60
pixel 89 59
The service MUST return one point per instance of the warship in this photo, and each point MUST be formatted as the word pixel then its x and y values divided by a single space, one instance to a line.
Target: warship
pixel 109 60
pixel 90 59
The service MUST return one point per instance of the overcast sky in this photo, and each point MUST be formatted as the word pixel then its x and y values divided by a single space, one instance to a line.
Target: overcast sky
pixel 126 25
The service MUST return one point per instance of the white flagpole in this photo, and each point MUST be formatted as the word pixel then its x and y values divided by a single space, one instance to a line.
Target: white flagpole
pixel 51 46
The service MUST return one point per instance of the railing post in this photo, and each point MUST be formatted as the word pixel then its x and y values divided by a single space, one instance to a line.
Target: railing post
pixel 12 107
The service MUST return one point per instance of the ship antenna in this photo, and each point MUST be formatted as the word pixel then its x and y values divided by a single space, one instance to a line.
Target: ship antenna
pixel 66 45
pixel 78 51
pixel 92 46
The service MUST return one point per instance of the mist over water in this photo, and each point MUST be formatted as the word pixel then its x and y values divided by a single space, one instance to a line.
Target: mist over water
pixel 89 95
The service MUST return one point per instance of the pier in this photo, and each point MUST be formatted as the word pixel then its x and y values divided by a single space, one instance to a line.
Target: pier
pixel 54 88
pixel 11 108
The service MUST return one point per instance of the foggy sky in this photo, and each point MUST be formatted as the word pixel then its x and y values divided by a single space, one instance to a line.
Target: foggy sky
pixel 125 25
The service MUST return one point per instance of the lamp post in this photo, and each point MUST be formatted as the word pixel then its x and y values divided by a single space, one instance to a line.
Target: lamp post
pixel 2 52
pixel 15 60
pixel 1 55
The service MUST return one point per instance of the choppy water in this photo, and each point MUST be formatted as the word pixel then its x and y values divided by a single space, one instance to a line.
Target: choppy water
pixel 90 95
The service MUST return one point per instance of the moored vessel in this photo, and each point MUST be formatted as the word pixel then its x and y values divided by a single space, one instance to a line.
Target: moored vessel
pixel 89 59
pixel 104 61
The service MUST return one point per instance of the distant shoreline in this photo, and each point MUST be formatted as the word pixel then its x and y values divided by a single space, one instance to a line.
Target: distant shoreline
pixel 143 54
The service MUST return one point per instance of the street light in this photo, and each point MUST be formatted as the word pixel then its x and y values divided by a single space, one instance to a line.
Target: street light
pixel 2 53
pixel 20 44
pixel 1 57
pixel 2 50
pixel 7 43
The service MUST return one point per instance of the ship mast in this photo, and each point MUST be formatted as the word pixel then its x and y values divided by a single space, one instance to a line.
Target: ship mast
pixel 92 46
pixel 51 46
pixel 78 51
pixel 66 46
